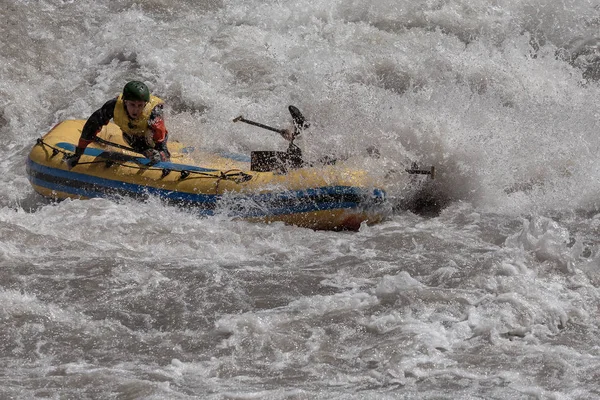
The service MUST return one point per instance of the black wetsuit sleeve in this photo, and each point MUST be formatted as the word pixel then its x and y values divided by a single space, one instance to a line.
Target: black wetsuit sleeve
pixel 98 119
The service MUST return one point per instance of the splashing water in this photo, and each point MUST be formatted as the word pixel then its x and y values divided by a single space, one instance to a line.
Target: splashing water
pixel 493 295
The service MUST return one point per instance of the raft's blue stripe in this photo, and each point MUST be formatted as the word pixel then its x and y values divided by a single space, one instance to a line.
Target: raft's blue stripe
pixel 201 199
pixel 235 156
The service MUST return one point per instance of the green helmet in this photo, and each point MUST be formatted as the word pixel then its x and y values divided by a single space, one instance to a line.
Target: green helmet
pixel 136 90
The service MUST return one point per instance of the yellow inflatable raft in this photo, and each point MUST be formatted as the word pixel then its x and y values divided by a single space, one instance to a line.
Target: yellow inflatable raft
pixel 330 197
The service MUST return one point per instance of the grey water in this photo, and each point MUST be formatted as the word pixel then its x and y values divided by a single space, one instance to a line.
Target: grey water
pixel 491 294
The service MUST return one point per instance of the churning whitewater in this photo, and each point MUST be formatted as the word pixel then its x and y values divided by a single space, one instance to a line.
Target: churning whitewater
pixel 483 283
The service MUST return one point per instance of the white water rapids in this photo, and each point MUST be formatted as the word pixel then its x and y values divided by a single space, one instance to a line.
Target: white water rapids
pixel 494 295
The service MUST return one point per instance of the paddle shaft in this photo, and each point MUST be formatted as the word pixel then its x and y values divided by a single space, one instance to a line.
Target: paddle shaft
pixel 120 146
pixel 240 118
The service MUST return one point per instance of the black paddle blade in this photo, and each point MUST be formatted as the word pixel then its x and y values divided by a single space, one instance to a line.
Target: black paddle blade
pixel 299 120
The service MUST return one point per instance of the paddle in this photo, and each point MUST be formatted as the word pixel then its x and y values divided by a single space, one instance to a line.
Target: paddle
pixel 120 146
pixel 270 160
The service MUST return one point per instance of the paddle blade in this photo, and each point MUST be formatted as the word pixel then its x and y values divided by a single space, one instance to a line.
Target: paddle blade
pixel 299 120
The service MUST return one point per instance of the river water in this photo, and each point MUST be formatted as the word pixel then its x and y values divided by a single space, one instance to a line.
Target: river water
pixel 490 292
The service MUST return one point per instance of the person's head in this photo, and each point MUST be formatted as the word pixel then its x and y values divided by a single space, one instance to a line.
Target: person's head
pixel 135 96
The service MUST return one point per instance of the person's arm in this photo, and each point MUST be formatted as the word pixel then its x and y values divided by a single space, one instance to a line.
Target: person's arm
pixel 94 124
pixel 92 127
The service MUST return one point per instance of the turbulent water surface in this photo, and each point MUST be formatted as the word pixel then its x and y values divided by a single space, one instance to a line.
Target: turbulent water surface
pixel 491 293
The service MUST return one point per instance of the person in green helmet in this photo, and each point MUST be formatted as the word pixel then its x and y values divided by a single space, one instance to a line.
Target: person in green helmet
pixel 140 117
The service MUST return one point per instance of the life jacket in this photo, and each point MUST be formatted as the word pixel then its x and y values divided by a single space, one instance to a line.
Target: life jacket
pixel 135 127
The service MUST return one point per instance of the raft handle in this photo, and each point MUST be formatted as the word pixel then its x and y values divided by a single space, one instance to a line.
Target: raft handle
pixel 184 174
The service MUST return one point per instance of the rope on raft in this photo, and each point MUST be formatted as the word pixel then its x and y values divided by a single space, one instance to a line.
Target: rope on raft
pixel 233 174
